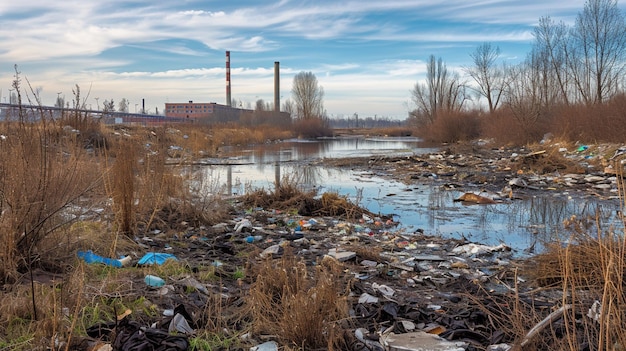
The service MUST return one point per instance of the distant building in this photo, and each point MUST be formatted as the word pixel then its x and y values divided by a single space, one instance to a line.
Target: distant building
pixel 202 112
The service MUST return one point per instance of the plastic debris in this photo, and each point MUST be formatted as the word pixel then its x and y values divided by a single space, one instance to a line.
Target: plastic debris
pixel 475 198
pixel 180 324
pixel 243 225
pixel 419 340
pixel 156 258
pixel 90 257
pixel 477 249
pixel 367 298
pixel 266 346
pixel 154 281
pixel 341 256
pixel 595 311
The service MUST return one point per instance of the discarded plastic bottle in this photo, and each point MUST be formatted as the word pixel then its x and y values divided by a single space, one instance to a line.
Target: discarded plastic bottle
pixel 154 281
pixel 251 239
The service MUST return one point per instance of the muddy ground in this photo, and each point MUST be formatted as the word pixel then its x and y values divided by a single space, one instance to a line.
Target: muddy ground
pixel 397 283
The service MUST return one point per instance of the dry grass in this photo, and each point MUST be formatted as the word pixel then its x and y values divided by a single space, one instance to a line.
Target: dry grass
pixel 549 161
pixel 289 196
pixel 452 127
pixel 303 306
pixel 39 180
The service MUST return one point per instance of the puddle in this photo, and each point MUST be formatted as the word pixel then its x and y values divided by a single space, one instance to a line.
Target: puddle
pixel 520 223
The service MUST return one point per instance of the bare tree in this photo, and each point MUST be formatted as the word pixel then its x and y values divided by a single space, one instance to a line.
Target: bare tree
pixel 260 105
pixel 597 61
pixel 308 96
pixel 551 49
pixel 123 105
pixel 487 75
pixel 288 106
pixel 523 94
pixel 108 106
pixel 442 92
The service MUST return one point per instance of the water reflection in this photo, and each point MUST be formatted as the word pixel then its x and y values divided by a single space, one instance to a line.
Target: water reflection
pixel 298 150
pixel 518 223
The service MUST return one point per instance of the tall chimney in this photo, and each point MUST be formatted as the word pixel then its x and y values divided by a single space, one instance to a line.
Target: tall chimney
pixel 228 102
pixel 277 86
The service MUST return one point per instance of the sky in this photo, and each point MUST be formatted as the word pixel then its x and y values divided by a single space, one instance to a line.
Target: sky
pixel 366 55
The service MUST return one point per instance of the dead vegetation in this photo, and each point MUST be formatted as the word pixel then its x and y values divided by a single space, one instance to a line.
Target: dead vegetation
pixel 305 307
pixel 289 197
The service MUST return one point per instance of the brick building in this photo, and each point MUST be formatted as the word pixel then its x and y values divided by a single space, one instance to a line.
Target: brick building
pixel 204 112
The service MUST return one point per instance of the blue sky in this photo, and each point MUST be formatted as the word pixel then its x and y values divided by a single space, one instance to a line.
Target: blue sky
pixel 367 55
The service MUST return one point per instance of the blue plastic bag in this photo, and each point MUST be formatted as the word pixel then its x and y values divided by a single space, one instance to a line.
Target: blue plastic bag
pixel 90 257
pixel 156 258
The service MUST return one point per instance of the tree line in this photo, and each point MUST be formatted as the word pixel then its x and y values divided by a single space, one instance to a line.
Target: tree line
pixel 569 65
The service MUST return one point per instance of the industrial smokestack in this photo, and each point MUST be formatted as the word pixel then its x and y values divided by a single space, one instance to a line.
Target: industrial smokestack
pixel 277 86
pixel 228 103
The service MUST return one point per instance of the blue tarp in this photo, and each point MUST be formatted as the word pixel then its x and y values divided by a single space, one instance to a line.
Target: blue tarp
pixel 156 258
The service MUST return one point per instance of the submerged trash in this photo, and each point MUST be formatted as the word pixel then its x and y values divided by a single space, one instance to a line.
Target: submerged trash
pixel 475 198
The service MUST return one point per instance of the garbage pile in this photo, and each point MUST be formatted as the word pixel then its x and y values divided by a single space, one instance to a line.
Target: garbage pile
pixel 405 286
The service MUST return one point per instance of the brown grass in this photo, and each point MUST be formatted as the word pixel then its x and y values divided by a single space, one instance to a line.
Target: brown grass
pixel 452 127
pixel 303 306
pixel 311 128
pixel 289 196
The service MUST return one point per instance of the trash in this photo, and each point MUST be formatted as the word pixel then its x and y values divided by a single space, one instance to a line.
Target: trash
pixel 499 347
pixel 475 198
pixel 477 249
pixel 419 340
pixel 367 298
pixel 90 257
pixel 130 335
pixel 180 324
pixel 362 335
pixel 193 283
pixel 384 289
pixel 156 258
pixel 251 239
pixel 595 311
pixel 154 281
pixel 125 261
pixel 274 250
pixel 242 225
pixel 341 256
pixel 266 346
pixel 582 148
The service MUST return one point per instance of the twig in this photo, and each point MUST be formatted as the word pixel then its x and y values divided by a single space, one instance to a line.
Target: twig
pixel 544 323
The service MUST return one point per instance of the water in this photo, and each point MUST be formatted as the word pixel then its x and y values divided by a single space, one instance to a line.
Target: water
pixel 519 223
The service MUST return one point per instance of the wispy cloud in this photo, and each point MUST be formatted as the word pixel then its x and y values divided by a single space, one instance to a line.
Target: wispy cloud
pixel 366 53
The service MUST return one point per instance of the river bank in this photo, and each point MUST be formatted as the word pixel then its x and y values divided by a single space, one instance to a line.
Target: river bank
pixel 290 269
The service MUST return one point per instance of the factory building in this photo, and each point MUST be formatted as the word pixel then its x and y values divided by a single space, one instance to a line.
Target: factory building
pixel 202 111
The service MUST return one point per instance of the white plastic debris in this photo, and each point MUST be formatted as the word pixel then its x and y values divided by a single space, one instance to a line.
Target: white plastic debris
pixel 384 289
pixel 477 249
pixel 266 346
pixel 595 311
pixel 367 298
pixel 243 224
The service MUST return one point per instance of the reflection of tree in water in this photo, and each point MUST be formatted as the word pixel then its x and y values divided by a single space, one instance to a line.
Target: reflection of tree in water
pixel 544 215
pixel 438 206
pixel 304 176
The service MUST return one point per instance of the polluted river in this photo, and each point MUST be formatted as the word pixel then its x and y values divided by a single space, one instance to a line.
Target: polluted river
pixel 426 204
pixel 447 250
